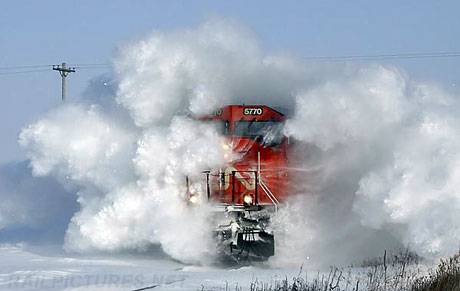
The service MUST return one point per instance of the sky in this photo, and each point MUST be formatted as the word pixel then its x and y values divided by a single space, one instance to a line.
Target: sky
pixel 35 33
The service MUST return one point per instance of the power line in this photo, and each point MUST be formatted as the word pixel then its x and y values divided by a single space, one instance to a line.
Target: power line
pixel 20 69
pixel 385 56
pixel 24 67
pixel 90 68
pixel 51 65
pixel 23 72
pixel 90 65
pixel 95 66
pixel 393 55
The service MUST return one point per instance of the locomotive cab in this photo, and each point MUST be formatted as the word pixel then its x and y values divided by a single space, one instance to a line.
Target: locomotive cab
pixel 248 189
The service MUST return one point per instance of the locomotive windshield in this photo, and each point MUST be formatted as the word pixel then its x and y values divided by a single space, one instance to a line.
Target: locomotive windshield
pixel 269 132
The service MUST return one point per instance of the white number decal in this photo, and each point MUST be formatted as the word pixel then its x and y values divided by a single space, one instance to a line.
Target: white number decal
pixel 253 111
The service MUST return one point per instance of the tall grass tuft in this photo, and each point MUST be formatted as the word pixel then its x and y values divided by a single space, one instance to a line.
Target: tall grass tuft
pixel 445 278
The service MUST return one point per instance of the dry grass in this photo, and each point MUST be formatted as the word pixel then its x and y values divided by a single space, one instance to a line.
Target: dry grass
pixel 397 272
pixel 445 278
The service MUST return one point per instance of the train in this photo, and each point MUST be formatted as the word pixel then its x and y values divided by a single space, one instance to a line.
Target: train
pixel 246 192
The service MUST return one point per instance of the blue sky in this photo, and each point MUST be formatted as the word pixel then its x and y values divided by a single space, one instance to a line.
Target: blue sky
pixel 87 31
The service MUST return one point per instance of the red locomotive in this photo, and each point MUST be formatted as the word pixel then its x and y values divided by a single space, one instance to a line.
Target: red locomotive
pixel 248 190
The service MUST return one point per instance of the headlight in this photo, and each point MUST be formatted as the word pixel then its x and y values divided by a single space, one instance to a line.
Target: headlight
pixel 193 198
pixel 248 199
pixel 227 151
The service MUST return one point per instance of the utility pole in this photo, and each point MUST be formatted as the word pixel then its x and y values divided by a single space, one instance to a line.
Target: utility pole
pixel 64 72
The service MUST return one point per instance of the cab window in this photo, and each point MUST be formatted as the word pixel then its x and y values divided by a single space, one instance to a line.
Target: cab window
pixel 268 132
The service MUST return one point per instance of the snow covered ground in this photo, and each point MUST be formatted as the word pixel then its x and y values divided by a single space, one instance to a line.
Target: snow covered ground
pixel 25 267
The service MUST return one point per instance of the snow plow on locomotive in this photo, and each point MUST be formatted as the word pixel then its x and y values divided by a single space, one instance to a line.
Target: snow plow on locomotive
pixel 247 190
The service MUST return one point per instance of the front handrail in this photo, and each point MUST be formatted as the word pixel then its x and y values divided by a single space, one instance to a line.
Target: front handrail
pixel 265 187
pixel 258 182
